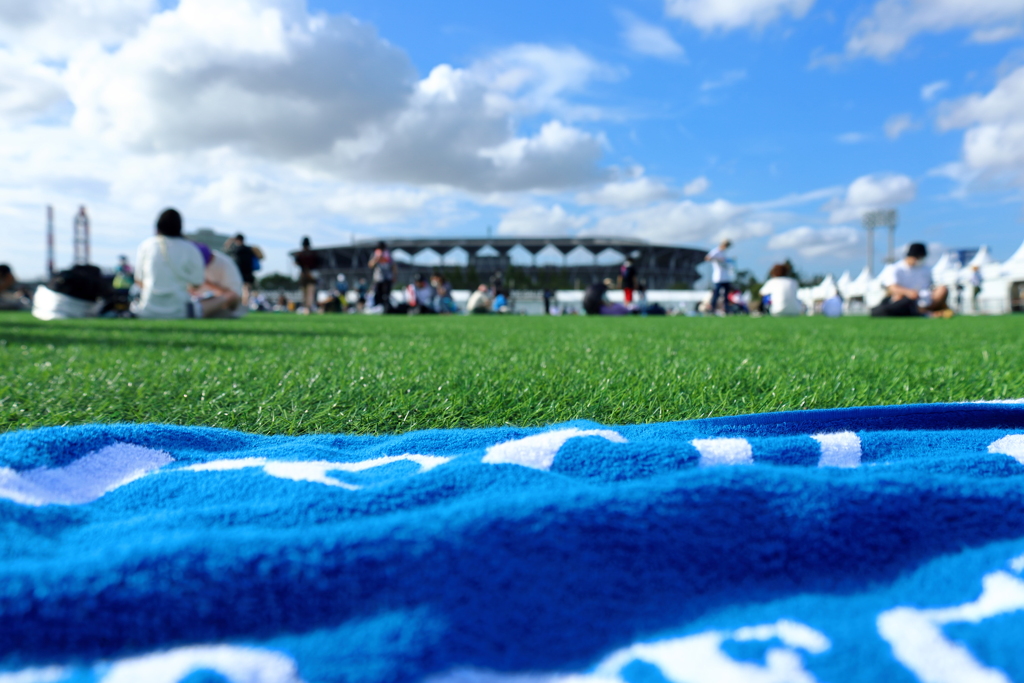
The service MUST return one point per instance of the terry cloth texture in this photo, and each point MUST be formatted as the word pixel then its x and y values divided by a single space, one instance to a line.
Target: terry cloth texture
pixel 872 544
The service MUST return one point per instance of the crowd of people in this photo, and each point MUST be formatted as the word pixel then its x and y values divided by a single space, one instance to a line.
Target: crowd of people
pixel 175 277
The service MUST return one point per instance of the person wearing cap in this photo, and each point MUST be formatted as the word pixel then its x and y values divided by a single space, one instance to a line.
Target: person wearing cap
pixel 909 288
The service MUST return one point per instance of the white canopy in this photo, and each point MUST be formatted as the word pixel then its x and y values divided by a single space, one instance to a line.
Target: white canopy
pixel 984 257
pixel 946 270
pixel 843 284
pixel 1017 255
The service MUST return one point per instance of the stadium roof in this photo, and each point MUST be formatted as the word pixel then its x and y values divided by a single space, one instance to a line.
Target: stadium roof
pixel 504 244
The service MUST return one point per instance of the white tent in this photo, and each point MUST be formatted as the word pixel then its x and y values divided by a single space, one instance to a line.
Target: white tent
pixel 946 270
pixel 998 280
pixel 827 289
pixel 843 284
pixel 984 258
pixel 1018 256
pixel 875 291
pixel 859 287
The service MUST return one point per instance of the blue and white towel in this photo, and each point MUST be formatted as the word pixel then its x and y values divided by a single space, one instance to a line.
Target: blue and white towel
pixel 873 544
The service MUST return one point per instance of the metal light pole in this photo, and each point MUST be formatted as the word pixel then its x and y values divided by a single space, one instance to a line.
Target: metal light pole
pixel 883 218
pixel 81 238
pixel 49 241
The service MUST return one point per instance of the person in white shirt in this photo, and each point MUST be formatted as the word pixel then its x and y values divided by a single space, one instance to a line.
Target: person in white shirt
pixel 908 284
pixel 781 289
pixel 166 266
pixel 479 301
pixel 222 291
pixel 721 275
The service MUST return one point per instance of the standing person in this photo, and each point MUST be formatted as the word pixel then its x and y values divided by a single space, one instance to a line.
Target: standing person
pixel 384 271
pixel 721 275
pixel 779 292
pixel 548 296
pixel 908 284
pixel 166 266
pixel 362 287
pixel 245 258
pixel 497 284
pixel 975 285
pixel 307 261
pixel 627 279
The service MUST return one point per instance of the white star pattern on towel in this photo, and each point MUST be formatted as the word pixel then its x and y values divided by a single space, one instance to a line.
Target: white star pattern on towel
pixel 538 451
pixel 85 479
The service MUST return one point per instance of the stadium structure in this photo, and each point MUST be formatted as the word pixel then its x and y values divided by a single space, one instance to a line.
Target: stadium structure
pixel 659 266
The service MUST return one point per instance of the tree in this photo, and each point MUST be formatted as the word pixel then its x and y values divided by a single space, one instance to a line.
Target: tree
pixel 278 281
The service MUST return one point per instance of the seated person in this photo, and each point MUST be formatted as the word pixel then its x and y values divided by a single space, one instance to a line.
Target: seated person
pixel 220 295
pixel 500 304
pixel 443 302
pixel 479 301
pixel 420 295
pixel 908 285
pixel 781 291
pixel 9 301
pixel 594 302
pixel 166 266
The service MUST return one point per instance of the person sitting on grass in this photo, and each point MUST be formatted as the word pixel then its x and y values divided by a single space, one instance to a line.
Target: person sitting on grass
pixel 908 285
pixel 220 295
pixel 779 292
pixel 420 295
pixel 500 303
pixel 8 301
pixel 166 266
pixel 480 300
pixel 596 303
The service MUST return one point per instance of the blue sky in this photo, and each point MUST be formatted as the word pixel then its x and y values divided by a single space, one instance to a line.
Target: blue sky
pixel 777 123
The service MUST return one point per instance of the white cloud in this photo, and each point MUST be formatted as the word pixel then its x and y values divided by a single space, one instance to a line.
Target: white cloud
pixel 684 222
pixel 267 79
pixel 994 141
pixel 648 39
pixel 870 192
pixel 627 193
pixel 375 205
pixel 530 79
pixel 727 15
pixel 55 29
pixel 853 138
pixel 996 34
pixel 728 78
pixel 815 242
pixel 27 88
pixel 256 115
pixel 893 23
pixel 539 221
pixel 696 186
pixel 929 91
pixel 898 124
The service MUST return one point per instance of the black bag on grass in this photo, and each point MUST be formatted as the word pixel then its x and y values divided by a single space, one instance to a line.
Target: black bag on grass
pixel 81 282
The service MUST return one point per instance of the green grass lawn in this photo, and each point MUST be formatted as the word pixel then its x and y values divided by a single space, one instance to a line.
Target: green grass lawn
pixel 280 374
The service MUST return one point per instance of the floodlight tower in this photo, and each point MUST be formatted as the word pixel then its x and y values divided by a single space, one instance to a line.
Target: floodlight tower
pixel 883 218
pixel 49 241
pixel 81 237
